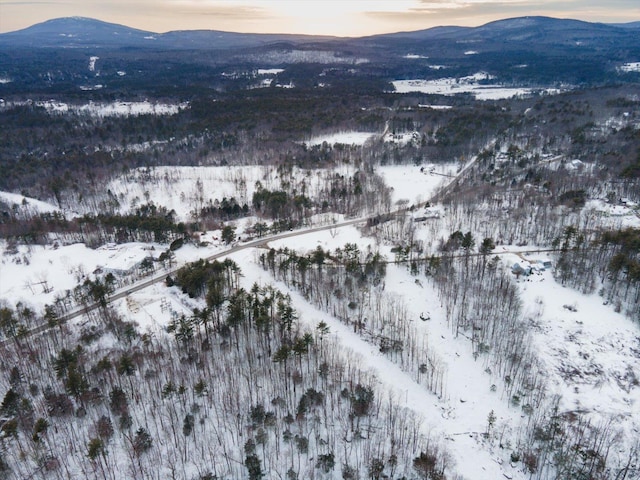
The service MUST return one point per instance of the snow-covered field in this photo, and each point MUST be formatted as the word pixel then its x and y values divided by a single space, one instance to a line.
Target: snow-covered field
pixel 36 275
pixel 436 107
pixel 112 109
pixel 630 67
pixel 621 216
pixel 270 71
pixel 413 184
pixel 343 138
pixel 471 84
pixel 185 189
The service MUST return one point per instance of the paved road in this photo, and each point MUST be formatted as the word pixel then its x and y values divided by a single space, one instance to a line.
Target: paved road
pixel 260 242
pixel 160 277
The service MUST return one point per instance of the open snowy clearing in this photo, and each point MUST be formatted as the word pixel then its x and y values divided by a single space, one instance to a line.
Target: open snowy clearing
pixel 471 84
pixel 185 189
pixel 270 71
pixel 416 184
pixel 343 138
pixel 36 275
pixel 621 216
pixel 112 109
pixel 630 67
pixel 30 205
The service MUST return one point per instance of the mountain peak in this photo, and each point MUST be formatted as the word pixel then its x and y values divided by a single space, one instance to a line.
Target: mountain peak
pixel 76 32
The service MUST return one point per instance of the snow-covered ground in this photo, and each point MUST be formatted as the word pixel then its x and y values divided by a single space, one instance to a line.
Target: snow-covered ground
pixel 344 138
pixel 185 189
pixel 412 184
pixel 471 84
pixel 30 204
pixel 588 358
pixel 92 63
pixel 461 417
pixel 630 67
pixel 270 71
pixel 112 109
pixel 36 275
pixel 621 216
pixel 436 107
pixel 589 352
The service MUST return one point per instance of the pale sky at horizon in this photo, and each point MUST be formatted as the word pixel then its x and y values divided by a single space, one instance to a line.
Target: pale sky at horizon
pixel 329 17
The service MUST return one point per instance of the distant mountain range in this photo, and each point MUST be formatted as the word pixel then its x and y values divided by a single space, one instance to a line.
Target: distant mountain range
pixel 80 32
pixel 55 56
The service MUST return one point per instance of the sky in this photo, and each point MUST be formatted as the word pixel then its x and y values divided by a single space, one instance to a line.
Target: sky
pixel 347 18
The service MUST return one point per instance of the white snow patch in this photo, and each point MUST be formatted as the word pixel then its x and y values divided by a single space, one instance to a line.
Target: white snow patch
pixel 435 107
pixel 622 216
pixel 88 88
pixel 279 57
pixel 415 184
pixel 453 86
pixel 36 275
pixel 189 189
pixel 92 63
pixel 630 67
pixel 36 205
pixel 125 109
pixel 344 138
pixel 113 109
pixel 270 71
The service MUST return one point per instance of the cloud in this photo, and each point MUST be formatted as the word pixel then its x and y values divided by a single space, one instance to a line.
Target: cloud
pixel 228 9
